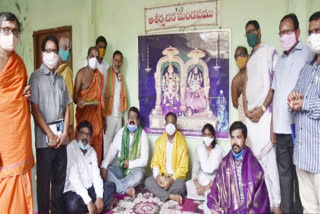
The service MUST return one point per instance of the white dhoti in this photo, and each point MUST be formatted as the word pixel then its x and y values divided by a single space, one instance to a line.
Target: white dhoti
pixel 192 189
pixel 260 69
pixel 260 143
pixel 113 126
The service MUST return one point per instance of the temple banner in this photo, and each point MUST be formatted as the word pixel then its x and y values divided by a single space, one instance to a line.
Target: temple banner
pixel 188 74
pixel 182 15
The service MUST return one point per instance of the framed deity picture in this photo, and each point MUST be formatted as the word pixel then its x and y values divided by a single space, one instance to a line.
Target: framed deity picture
pixel 188 74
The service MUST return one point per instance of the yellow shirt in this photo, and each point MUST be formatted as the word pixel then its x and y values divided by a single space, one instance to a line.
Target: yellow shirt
pixel 179 158
pixel 65 71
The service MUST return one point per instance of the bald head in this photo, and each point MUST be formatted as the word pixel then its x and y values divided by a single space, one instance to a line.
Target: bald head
pixel 64 43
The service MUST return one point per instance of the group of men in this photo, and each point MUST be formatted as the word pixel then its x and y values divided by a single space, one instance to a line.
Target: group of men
pixel 284 137
pixel 81 170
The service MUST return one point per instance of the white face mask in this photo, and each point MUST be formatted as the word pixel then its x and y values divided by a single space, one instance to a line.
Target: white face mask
pixel 170 129
pixel 207 141
pixel 93 63
pixel 50 59
pixel 8 42
pixel 313 42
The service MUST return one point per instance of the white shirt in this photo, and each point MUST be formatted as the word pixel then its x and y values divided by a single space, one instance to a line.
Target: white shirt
pixel 115 150
pixel 170 171
pixel 82 172
pixel 103 68
pixel 116 97
pixel 260 69
pixel 285 78
pixel 206 164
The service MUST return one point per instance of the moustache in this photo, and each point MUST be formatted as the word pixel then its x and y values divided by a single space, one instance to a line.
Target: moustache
pixel 131 123
pixel 235 146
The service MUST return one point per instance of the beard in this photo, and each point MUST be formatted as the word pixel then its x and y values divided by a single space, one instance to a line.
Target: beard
pixel 236 148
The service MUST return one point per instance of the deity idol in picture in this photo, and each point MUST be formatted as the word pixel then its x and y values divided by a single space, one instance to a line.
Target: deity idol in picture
pixel 196 100
pixel 170 91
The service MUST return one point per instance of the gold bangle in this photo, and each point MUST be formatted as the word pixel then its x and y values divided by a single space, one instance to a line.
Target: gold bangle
pixel 263 108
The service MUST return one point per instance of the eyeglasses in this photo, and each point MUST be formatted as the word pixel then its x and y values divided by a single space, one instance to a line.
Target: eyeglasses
pixel 314 31
pixel 250 32
pixel 50 50
pixel 283 32
pixel 133 117
pixel 6 31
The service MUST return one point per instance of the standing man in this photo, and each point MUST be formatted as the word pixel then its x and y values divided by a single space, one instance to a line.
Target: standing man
pixel 102 66
pixel 241 57
pixel 294 57
pixel 65 71
pixel 16 158
pixel 131 148
pixel 257 97
pixel 50 109
pixel 304 102
pixel 170 163
pixel 116 100
pixel 84 190
pixel 89 99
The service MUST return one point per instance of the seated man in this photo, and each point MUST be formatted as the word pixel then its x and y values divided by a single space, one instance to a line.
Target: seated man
pixel 131 147
pixel 239 186
pixel 170 163
pixel 84 189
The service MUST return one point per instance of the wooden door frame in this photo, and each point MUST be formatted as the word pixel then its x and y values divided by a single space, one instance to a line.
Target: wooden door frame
pixel 46 31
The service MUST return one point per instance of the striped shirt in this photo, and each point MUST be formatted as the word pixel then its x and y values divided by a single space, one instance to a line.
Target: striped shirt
pixel 307 121
pixel 239 180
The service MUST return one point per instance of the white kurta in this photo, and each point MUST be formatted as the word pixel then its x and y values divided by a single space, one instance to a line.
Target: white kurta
pixel 204 169
pixel 260 68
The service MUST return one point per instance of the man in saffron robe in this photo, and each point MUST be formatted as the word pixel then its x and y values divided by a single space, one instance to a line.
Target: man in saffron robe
pixel 16 158
pixel 89 99
pixel 239 186
pixel 170 163
pixel 115 100
pixel 65 71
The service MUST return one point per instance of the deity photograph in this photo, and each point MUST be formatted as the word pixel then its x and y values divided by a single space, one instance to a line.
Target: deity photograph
pixel 188 74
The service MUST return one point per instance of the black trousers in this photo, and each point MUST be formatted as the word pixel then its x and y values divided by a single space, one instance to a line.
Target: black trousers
pixel 290 199
pixel 51 167
pixel 74 204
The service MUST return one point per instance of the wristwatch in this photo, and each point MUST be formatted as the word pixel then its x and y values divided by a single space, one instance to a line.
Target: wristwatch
pixel 263 108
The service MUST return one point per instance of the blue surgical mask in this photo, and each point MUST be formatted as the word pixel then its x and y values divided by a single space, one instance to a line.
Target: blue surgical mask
pixel 82 147
pixel 65 55
pixel 132 127
pixel 238 156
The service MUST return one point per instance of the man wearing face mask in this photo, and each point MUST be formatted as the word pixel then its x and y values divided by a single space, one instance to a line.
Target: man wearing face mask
pixel 304 103
pixel 131 148
pixel 89 99
pixel 84 190
pixel 287 70
pixel 170 163
pixel 115 100
pixel 241 57
pixel 102 66
pixel 16 158
pixel 65 71
pixel 239 186
pixel 50 109
pixel 257 96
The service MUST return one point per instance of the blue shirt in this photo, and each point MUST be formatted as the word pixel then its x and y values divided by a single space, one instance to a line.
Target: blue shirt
pixel 285 78
pixel 306 154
